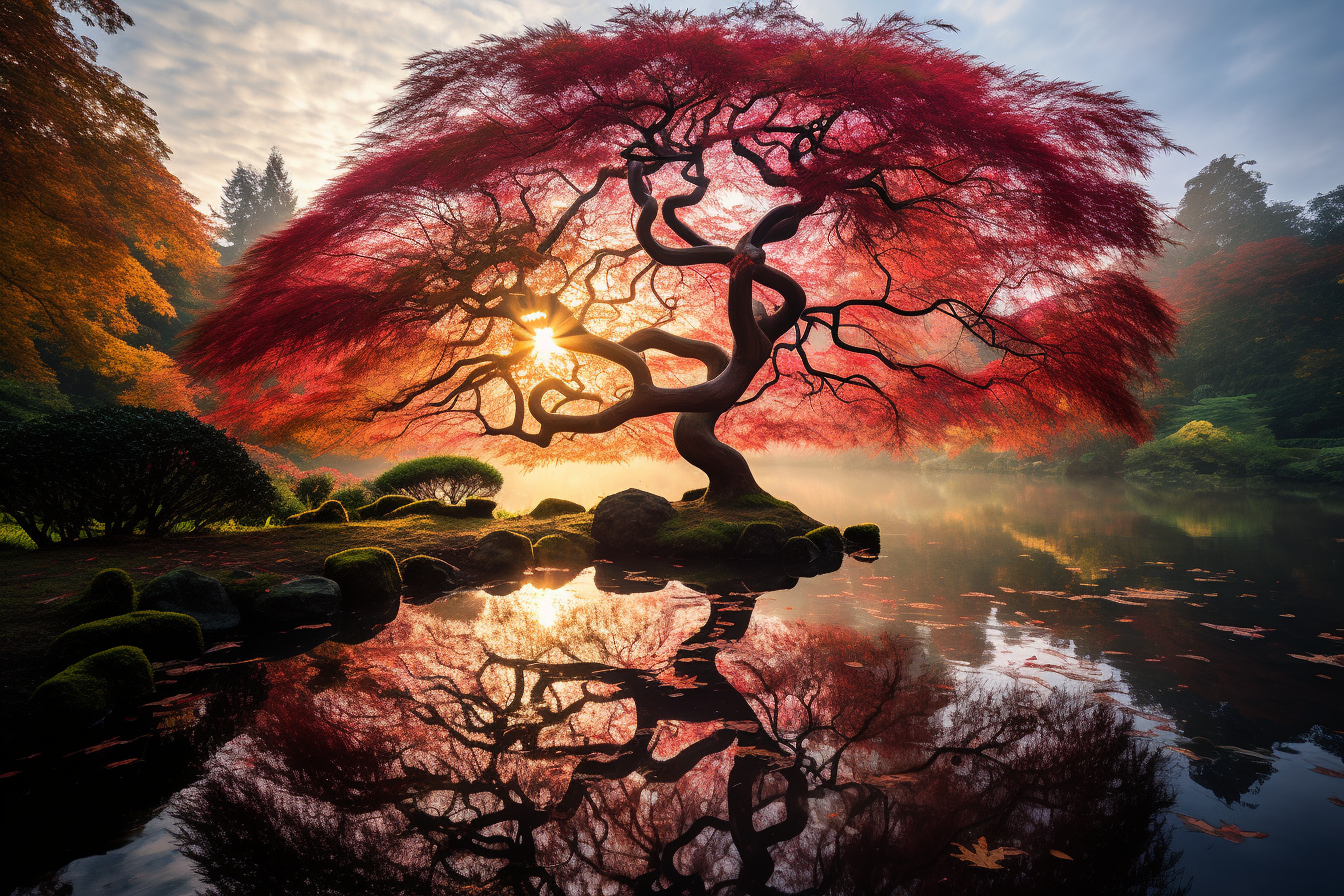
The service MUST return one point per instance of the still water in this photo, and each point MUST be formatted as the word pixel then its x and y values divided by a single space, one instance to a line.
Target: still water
pixel 1038 686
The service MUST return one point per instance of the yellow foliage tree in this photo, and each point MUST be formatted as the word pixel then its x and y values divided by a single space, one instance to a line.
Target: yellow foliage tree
pixel 88 212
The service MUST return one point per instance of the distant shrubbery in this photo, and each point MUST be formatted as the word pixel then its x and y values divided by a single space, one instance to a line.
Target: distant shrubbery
pixel 1200 449
pixel 444 477
pixel 117 471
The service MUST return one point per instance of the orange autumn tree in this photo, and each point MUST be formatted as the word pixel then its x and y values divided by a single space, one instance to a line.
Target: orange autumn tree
pixel 88 212
pixel 775 231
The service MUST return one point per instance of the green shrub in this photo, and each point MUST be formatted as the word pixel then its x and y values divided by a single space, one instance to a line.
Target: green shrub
pixel 84 693
pixel 351 496
pixel 1200 449
pixel 111 593
pixel 446 477
pixel 432 507
pixel 382 507
pixel 549 507
pixel 162 636
pixel 115 471
pixel 369 577
pixel 314 488
pixel 480 508
pixel 865 536
pixel 1235 413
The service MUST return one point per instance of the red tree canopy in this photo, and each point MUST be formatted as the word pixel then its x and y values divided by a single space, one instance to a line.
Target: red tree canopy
pixel 865 238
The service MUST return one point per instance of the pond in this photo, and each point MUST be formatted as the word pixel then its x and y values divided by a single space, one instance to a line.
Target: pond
pixel 1037 686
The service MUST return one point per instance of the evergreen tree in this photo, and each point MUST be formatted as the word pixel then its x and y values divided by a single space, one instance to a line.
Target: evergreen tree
pixel 1325 218
pixel 253 204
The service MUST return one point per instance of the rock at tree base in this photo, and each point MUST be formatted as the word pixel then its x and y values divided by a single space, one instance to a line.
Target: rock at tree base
pixel 502 551
pixel 626 521
pixel 306 600
pixel 761 540
pixel 694 494
pixel 111 593
pixel 564 552
pixel 84 693
pixel 426 576
pixel 865 537
pixel 800 549
pixel 549 507
pixel 368 578
pixel 187 591
pixel 480 508
pixel 828 539
pixel 162 636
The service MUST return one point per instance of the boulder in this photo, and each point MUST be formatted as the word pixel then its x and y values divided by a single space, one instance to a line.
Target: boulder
pixel 382 507
pixel 828 539
pixel 162 636
pixel 82 694
pixel 563 552
pixel 111 593
pixel 694 494
pixel 800 550
pixel 368 578
pixel 864 537
pixel 502 551
pixel 627 521
pixel 305 600
pixel 185 590
pixel 549 507
pixel 426 576
pixel 761 540
pixel 480 508
pixel 329 512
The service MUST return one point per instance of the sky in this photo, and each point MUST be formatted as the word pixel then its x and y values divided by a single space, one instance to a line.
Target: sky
pixel 229 79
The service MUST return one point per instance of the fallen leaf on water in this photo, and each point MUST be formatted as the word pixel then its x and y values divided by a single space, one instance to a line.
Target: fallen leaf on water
pixel 1287 616
pixel 1328 772
pixel 1193 656
pixel 1334 799
pixel 984 857
pixel 1115 653
pixel 1336 660
pixel 1184 752
pixel 1061 855
pixel 976 594
pixel 1330 636
pixel 1252 632
pixel 1126 619
pixel 1229 832
pixel 121 762
pixel 853 665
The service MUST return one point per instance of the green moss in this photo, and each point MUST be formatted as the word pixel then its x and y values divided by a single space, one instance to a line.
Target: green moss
pixel 162 636
pixel 432 507
pixel 502 551
pixel 679 537
pixel 865 536
pixel 368 577
pixel 549 507
pixel 694 494
pixel 329 512
pixel 111 593
pixel 561 552
pixel 382 507
pixel 480 508
pixel 244 591
pixel 761 540
pixel 828 538
pixel 81 694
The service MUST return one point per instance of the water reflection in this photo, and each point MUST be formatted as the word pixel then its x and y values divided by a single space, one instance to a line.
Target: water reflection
pixel 666 742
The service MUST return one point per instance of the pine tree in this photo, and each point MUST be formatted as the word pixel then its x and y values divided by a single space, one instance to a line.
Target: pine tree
pixel 254 203
pixel 276 200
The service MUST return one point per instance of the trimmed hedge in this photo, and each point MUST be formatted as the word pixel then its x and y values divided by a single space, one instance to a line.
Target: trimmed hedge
pixel 162 636
pixel 382 507
pixel 115 471
pixel 446 477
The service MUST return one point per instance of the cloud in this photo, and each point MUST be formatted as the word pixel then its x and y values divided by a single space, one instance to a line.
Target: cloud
pixel 231 78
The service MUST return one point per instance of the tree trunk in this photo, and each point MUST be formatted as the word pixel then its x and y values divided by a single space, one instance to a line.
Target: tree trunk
pixel 729 474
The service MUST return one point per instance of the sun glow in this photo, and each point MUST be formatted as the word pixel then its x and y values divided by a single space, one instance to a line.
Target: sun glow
pixel 544 350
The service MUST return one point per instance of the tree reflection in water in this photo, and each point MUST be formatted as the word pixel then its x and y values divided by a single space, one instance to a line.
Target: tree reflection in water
pixel 563 745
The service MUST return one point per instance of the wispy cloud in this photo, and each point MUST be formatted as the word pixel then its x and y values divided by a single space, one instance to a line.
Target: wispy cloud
pixel 232 79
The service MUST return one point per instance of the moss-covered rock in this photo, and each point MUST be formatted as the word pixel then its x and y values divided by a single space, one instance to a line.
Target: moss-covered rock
pixel 425 576
pixel 679 537
pixel 828 539
pixel 480 508
pixel 864 537
pixel 304 600
pixel 563 551
pixel 549 507
pixel 694 494
pixel 431 507
pixel 83 693
pixel 800 549
pixel 502 551
pixel 184 590
pixel 162 636
pixel 244 587
pixel 382 507
pixel 368 577
pixel 761 540
pixel 111 593
pixel 330 512
pixel 627 521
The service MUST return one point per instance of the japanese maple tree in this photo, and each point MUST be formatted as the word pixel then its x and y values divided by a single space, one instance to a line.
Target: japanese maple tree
pixel 770 229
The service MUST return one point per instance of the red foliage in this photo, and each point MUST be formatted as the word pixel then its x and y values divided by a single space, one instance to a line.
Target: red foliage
pixel 952 249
